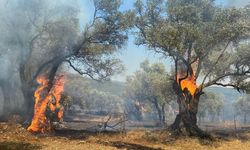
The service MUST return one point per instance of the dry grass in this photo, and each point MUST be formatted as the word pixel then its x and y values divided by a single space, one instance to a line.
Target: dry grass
pixel 14 136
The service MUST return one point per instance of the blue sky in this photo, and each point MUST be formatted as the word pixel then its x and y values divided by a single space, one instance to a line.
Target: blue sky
pixel 133 55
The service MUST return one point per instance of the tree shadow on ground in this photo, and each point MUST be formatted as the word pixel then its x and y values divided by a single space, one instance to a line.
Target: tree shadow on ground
pixel 11 145
pixel 83 135
pixel 128 146
pixel 73 134
pixel 243 135
pixel 221 135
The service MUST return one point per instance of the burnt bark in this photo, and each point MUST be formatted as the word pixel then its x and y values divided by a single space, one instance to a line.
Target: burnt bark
pixel 28 104
pixel 27 90
pixel 186 121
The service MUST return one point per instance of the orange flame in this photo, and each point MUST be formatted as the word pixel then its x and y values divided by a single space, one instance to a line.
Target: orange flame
pixel 44 100
pixel 190 84
pixel 190 81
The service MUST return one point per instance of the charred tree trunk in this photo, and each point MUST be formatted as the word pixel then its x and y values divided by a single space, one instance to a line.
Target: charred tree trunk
pixel 186 120
pixel 29 104
pixel 27 90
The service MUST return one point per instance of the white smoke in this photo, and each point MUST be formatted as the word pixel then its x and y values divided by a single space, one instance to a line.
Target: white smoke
pixel 16 32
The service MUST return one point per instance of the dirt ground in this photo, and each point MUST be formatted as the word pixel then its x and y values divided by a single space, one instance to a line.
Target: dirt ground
pixel 14 137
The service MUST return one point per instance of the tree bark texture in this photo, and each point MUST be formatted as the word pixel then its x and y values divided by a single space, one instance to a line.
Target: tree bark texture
pixel 186 120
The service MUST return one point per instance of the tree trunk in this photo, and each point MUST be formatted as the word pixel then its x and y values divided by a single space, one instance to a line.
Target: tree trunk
pixel 245 118
pixel 27 91
pixel 186 120
pixel 29 102
pixel 137 112
pixel 213 118
pixel 199 122
pixel 28 87
pixel 158 109
pixel 163 113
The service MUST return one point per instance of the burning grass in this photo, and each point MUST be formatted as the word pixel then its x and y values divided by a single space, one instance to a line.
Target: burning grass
pixel 14 136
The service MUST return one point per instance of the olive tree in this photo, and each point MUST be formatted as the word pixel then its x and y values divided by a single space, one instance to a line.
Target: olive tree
pixel 211 104
pixel 150 85
pixel 50 36
pixel 204 43
pixel 31 33
pixel 242 107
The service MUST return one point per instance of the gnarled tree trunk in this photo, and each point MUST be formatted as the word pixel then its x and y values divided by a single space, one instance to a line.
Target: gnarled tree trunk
pixel 186 120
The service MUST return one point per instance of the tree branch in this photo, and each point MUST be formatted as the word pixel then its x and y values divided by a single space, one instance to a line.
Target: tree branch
pixel 54 60
pixel 216 62
pixel 226 75
pixel 79 71
pixel 228 85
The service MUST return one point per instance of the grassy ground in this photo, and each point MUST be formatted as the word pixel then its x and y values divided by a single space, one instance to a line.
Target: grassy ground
pixel 14 136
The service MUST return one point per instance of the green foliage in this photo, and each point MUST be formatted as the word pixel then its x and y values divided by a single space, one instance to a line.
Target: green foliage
pixel 85 94
pixel 149 83
pixel 242 105
pixel 104 35
pixel 46 34
pixel 187 31
pixel 150 87
pixel 210 103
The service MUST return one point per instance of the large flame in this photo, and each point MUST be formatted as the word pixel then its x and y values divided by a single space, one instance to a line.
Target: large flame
pixel 45 100
pixel 190 84
pixel 190 81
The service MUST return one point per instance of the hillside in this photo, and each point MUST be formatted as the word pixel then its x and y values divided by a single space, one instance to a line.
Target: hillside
pixel 229 94
pixel 114 87
pixel 117 88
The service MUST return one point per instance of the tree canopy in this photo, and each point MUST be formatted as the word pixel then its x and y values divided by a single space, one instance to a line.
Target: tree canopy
pixel 43 36
pixel 205 43
pixel 197 31
pixel 211 104
pixel 242 107
pixel 90 99
pixel 150 85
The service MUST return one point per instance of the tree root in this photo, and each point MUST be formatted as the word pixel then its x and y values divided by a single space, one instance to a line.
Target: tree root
pixel 179 128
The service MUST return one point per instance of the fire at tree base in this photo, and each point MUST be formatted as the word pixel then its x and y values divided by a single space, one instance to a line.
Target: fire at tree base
pixel 47 104
pixel 188 96
pixel 186 121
